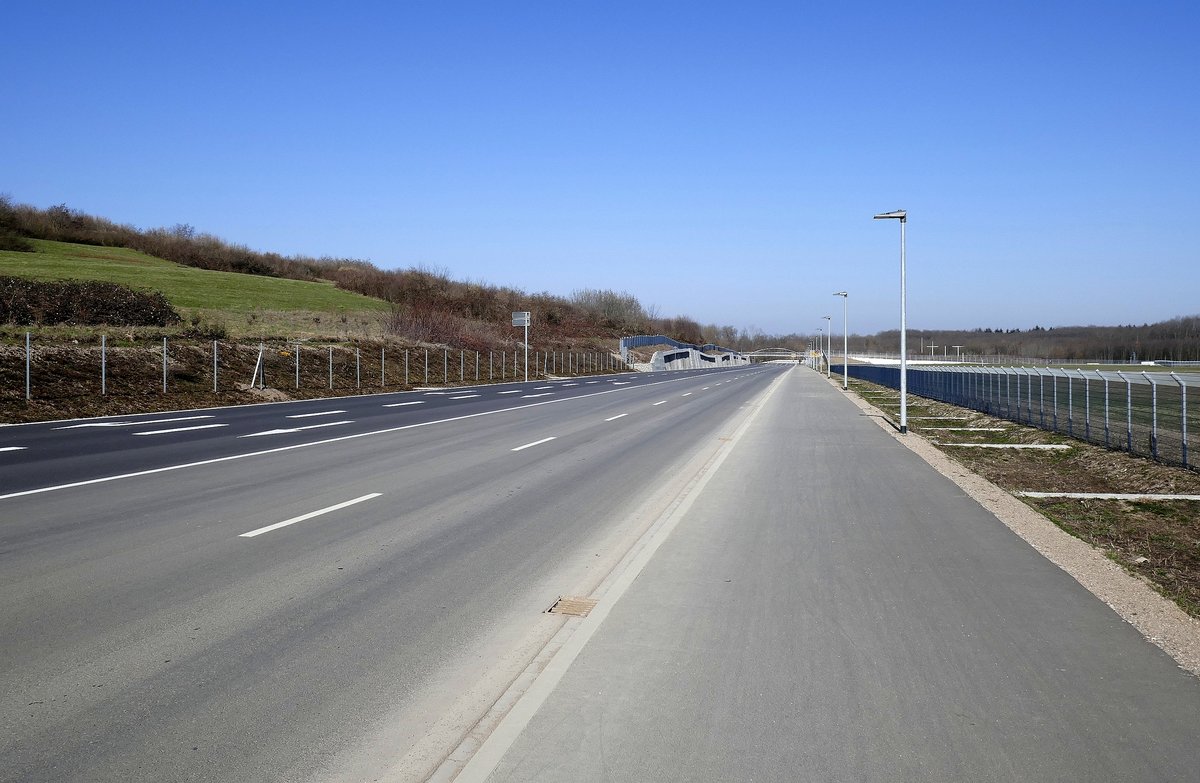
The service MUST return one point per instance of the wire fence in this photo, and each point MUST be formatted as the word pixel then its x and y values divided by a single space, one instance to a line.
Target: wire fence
pixel 1142 412
pixel 36 370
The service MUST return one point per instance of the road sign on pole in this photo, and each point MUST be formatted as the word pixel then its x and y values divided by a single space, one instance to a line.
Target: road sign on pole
pixel 522 319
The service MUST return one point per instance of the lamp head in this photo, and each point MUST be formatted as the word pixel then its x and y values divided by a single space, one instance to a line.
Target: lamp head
pixel 899 214
pixel 840 293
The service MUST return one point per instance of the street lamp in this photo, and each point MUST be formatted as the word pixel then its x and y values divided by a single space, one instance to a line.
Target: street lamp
pixel 902 216
pixel 828 342
pixel 845 339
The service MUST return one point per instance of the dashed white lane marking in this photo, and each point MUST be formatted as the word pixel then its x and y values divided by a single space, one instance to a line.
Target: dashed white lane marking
pixel 464 396
pixel 706 388
pixel 539 388
pixel 402 404
pixel 310 415
pixel 309 515
pixel 511 391
pixel 132 423
pixel 1104 496
pixel 592 382
pixel 296 429
pixel 621 383
pixel 686 394
pixel 571 384
pixel 535 443
pixel 13 448
pixel 531 396
pixel 660 402
pixel 618 416
pixel 182 429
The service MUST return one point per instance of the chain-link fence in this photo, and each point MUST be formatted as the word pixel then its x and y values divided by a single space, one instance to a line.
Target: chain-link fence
pixel 1139 411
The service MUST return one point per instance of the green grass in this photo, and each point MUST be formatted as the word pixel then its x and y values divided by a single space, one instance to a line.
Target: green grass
pixel 187 288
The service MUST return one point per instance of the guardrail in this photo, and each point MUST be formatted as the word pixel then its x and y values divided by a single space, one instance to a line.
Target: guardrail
pixel 1141 412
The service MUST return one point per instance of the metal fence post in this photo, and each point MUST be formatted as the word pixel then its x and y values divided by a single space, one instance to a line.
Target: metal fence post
pixel 297 366
pixel 1106 422
pixel 462 366
pixel 1183 416
pixel 28 395
pixel 490 371
pixel 1087 408
pixel 426 366
pixel 445 365
pixel 331 367
pixel 406 367
pixel 1153 416
pixel 358 368
pixel 382 366
pixel 214 366
pixel 477 367
pixel 164 365
pixel 103 365
pixel 1128 411
pixel 1070 404
pixel 1054 378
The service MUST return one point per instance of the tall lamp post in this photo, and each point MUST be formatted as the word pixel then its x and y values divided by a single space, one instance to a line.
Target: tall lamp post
pixel 902 216
pixel 828 343
pixel 845 340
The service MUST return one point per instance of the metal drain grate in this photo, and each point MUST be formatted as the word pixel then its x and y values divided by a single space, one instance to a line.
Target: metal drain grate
pixel 572 605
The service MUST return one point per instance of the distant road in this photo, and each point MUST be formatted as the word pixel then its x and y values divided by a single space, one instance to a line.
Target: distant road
pixel 294 591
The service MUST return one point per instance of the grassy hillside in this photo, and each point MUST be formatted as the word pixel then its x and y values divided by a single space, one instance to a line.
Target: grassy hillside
pixel 238 301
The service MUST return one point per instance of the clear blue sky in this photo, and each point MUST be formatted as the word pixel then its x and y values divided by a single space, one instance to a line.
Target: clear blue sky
pixel 719 160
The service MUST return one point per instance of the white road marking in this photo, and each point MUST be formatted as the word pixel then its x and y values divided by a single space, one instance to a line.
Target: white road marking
pixel 621 383
pixel 13 448
pixel 593 381
pixel 1044 446
pixel 310 415
pixel 963 429
pixel 614 418
pixel 660 402
pixel 402 404
pixel 531 396
pixel 1104 496
pixel 182 429
pixel 296 429
pixel 686 394
pixel 464 396
pixel 132 423
pixel 511 391
pixel 706 388
pixel 571 384
pixel 309 515
pixel 535 443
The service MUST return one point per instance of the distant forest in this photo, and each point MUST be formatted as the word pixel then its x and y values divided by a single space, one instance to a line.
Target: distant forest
pixel 428 305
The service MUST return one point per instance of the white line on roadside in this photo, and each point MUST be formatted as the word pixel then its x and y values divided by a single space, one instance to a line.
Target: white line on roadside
pixel 309 515
pixel 182 429
pixel 310 415
pixel 465 396
pixel 962 429
pixel 535 443
pixel 13 448
pixel 531 396
pixel 295 429
pixel 1104 496
pixel 1044 446
pixel 402 404
pixel 132 423
pixel 618 416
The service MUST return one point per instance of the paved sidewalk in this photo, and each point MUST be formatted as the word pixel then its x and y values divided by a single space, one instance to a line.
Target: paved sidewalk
pixel 834 610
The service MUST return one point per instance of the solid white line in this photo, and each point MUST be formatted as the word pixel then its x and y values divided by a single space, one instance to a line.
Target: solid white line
pixel 660 402
pixel 531 396
pixel 132 423
pixel 1104 496
pixel 963 429
pixel 310 444
pixel 464 396
pixel 310 415
pixel 181 429
pixel 614 418
pixel 296 429
pixel 309 515
pixel 535 443
pixel 402 404
pixel 13 448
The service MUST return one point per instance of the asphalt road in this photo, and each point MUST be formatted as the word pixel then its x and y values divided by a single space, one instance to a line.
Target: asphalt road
pixel 303 591
pixel 831 609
